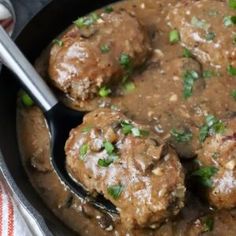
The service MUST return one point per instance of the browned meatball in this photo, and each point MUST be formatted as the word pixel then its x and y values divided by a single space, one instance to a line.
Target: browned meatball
pixel 219 156
pixel 111 155
pixel 102 53
pixel 204 30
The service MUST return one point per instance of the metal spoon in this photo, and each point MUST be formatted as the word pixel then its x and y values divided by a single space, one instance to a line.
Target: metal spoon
pixel 60 119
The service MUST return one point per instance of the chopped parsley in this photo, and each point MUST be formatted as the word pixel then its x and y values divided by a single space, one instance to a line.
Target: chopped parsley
pixel 104 48
pixel 187 53
pixel 58 42
pixel 83 151
pixel 181 136
pixel 211 127
pixel 108 9
pixel 189 77
pixel 229 20
pixel 174 36
pixel 86 21
pixel 202 24
pixel 126 61
pixel 210 36
pixel 233 94
pixel 204 175
pixel 87 129
pixel 107 161
pixel 207 74
pixel 26 99
pixel 115 191
pixel 129 86
pixel 208 224
pixel 104 92
pixel 231 70
pixel 128 128
pixel 109 147
pixel 232 4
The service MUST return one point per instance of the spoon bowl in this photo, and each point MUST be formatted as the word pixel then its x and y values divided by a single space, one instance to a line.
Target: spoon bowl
pixel 60 119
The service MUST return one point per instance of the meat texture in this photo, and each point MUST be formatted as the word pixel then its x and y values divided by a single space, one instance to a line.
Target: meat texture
pixel 207 30
pixel 219 152
pixel 98 51
pixel 111 155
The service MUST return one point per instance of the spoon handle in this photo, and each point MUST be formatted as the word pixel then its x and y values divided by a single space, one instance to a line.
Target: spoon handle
pixel 13 58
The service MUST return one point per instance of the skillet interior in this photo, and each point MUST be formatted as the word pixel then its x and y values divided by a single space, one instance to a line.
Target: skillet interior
pixel 32 40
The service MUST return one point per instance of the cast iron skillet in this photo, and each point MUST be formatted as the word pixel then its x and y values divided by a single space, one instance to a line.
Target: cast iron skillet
pixel 44 27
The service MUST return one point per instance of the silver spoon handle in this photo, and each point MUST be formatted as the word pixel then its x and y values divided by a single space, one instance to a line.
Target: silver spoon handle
pixel 13 58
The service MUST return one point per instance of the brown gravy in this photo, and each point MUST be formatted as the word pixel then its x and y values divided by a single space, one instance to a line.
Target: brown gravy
pixel 156 100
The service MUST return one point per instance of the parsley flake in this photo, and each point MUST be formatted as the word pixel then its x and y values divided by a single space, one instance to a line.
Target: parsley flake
pixel 233 94
pixel 86 21
pixel 231 70
pixel 115 191
pixel 189 77
pixel 204 175
pixel 83 151
pixel 58 42
pixel 232 4
pixel 104 92
pixel 211 127
pixel 104 48
pixel 181 136
pixel 229 21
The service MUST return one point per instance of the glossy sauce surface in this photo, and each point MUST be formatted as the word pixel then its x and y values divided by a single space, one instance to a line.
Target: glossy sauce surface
pixel 158 101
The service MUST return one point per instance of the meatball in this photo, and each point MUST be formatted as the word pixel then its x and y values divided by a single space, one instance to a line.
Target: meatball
pixel 218 154
pixel 204 30
pixel 101 53
pixel 111 155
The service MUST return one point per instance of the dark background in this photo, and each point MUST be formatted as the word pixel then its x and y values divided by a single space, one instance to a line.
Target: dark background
pixel 25 10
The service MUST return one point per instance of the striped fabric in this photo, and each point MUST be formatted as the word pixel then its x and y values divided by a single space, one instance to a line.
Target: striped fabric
pixel 11 221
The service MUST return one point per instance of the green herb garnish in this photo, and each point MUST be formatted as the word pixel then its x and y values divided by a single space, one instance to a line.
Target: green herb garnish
pixel 104 92
pixel 87 129
pixel 208 224
pixel 108 161
pixel 115 191
pixel 233 94
pixel 207 74
pixel 202 24
pixel 187 53
pixel 86 21
pixel 129 86
pixel 104 48
pixel 83 151
pixel 58 42
pixel 210 36
pixel 211 127
pixel 128 128
pixel 232 4
pixel 181 136
pixel 109 147
pixel 189 77
pixel 126 61
pixel 231 70
pixel 108 9
pixel 26 99
pixel 174 36
pixel 229 20
pixel 205 174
